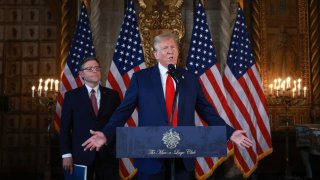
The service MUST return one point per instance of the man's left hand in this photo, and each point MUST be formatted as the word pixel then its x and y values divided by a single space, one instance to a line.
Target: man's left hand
pixel 241 140
pixel 96 141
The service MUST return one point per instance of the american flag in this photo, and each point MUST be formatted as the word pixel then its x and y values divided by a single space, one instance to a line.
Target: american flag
pixel 81 48
pixel 202 62
pixel 127 59
pixel 246 98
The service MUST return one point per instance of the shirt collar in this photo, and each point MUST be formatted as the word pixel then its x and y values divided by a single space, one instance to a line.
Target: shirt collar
pixel 96 88
pixel 162 69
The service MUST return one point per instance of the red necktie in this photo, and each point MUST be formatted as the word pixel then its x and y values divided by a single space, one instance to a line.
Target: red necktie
pixel 170 90
pixel 94 101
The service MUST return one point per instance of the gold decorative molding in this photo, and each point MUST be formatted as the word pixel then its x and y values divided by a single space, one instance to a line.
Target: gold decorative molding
pixel 241 3
pixel 314 20
pixel 86 3
pixel 315 50
pixel 148 5
pixel 65 40
pixel 256 32
pixel 304 48
pixel 156 17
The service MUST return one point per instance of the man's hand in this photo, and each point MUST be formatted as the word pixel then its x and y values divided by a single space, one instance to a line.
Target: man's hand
pixel 241 140
pixel 67 164
pixel 96 141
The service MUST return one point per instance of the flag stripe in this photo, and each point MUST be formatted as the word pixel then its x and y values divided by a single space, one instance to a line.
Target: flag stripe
pixel 81 47
pixel 201 167
pixel 116 80
pixel 215 94
pixel 126 80
pixel 222 99
pixel 123 169
pixel 245 97
pixel 127 59
pixel 242 162
pixel 238 109
pixel 114 85
pixel 254 107
pixel 260 112
pixel 247 114
pixel 262 109
pixel 250 107
pixel 65 82
pixel 202 62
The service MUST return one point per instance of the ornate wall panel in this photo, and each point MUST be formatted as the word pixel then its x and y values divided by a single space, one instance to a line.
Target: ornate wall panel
pixel 281 28
pixel 314 14
pixel 28 50
pixel 156 17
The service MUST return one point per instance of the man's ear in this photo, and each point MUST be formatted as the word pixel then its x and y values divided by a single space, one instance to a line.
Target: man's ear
pixel 81 75
pixel 155 53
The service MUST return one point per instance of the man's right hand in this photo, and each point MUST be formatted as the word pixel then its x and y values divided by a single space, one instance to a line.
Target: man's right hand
pixel 96 141
pixel 67 164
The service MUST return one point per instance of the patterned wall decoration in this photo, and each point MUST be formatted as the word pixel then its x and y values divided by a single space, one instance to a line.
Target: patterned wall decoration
pixel 281 37
pixel 28 51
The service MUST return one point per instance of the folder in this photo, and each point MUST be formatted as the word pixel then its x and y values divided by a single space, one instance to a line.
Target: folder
pixel 79 173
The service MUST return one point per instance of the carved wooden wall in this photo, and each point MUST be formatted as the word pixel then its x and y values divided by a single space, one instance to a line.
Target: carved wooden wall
pixel 156 17
pixel 29 42
pixel 282 40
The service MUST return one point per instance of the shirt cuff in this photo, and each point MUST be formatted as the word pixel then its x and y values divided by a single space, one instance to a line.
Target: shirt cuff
pixel 67 155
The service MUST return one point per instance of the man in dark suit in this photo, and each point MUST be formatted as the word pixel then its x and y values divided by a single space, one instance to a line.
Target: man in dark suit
pixel 148 92
pixel 85 108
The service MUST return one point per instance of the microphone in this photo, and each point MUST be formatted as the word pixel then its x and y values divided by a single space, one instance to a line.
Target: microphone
pixel 172 72
pixel 171 68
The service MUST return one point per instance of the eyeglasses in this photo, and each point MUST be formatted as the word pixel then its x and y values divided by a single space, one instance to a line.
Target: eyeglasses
pixel 91 69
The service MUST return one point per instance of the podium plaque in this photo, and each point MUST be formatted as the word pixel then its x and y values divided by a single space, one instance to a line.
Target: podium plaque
pixel 171 142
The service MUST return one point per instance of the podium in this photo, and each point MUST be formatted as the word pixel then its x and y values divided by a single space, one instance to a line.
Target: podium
pixel 171 142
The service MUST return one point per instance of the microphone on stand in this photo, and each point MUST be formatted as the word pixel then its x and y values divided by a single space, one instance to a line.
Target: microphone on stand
pixel 172 73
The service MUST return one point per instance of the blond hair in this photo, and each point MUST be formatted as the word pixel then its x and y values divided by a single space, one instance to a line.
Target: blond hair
pixel 157 39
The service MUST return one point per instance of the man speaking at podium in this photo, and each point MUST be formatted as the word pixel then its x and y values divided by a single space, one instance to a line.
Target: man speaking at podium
pixel 152 91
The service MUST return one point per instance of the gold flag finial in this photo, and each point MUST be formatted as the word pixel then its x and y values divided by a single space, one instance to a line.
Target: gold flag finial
pixel 241 4
pixel 86 3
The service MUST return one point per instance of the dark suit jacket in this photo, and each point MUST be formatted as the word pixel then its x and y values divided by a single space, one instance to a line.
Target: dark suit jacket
pixel 146 93
pixel 78 118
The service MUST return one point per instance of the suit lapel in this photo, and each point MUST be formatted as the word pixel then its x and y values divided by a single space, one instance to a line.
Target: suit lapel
pixel 157 85
pixel 86 98
pixel 103 98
